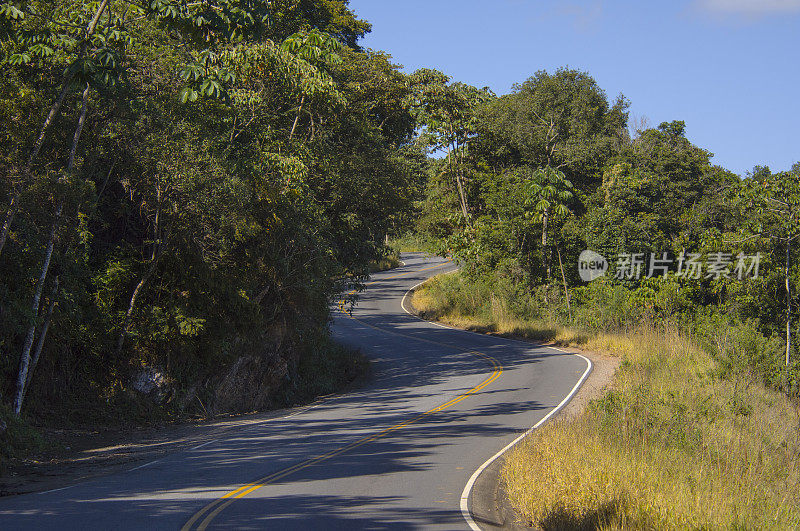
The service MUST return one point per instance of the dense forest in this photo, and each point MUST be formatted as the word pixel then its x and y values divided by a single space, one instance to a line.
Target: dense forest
pixel 534 178
pixel 186 186
pixel 625 242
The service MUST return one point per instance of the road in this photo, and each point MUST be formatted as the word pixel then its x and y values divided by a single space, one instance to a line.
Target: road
pixel 396 453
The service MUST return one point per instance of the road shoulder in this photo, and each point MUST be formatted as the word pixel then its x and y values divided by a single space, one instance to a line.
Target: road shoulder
pixel 91 453
pixel 490 505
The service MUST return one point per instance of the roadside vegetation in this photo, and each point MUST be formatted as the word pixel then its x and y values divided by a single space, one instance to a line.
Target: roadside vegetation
pixel 687 437
pixel 699 300
pixel 390 261
pixel 184 188
pixel 413 242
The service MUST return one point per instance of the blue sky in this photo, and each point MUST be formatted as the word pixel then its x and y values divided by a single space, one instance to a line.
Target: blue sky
pixel 729 68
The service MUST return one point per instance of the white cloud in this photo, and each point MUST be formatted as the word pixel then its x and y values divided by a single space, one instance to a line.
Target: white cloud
pixel 751 6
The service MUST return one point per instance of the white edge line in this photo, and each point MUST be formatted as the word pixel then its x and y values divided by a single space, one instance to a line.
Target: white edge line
pixel 204 444
pixel 56 490
pixel 465 512
pixel 146 464
pixel 412 288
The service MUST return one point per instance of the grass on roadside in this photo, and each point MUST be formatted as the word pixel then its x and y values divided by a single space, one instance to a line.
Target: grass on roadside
pixel 325 367
pixel 673 445
pixel 387 262
pixel 447 298
pixel 413 243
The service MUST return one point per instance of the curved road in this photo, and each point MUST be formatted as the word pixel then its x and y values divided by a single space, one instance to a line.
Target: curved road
pixel 394 454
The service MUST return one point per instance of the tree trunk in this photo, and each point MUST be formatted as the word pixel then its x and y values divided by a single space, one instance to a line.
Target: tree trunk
pixel 788 306
pixel 296 118
pixel 105 184
pixel 49 314
pixel 564 280
pixel 155 253
pixel 459 154
pixel 79 129
pixel 54 110
pixel 462 198
pixel 131 305
pixel 545 255
pixel 25 358
pixel 56 107
pixel 12 212
pixel 462 194
pixel 37 146
pixel 454 170
pixel 465 198
pixel 42 337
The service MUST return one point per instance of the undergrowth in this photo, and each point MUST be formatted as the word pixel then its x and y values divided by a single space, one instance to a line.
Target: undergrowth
pixel 18 439
pixel 324 369
pixel 414 243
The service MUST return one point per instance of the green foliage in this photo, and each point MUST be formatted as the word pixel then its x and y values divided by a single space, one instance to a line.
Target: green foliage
pixel 413 242
pixel 553 172
pixel 548 192
pixel 19 439
pixel 448 112
pixel 324 368
pixel 247 157
pixel 56 35
pixel 561 120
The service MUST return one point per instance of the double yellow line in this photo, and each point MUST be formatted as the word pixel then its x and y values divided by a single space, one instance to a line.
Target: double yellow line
pixel 206 515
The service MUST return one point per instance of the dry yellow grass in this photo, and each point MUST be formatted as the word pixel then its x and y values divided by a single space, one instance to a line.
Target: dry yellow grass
pixel 499 320
pixel 672 446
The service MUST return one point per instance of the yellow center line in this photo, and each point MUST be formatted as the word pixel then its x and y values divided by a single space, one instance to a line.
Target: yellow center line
pixel 211 510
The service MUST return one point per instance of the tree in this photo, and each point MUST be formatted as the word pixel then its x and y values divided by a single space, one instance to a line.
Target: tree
pixel 561 120
pixel 332 17
pixel 773 202
pixel 67 39
pixel 550 194
pixel 449 114
pixel 651 191
pixel 244 186
pixel 317 50
pixel 90 39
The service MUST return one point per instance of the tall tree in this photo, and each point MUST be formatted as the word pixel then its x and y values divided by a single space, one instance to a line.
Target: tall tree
pixel 449 114
pixel 773 207
pixel 561 120
pixel 550 195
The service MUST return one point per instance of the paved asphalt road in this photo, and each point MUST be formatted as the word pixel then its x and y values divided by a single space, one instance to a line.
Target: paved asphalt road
pixel 394 454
